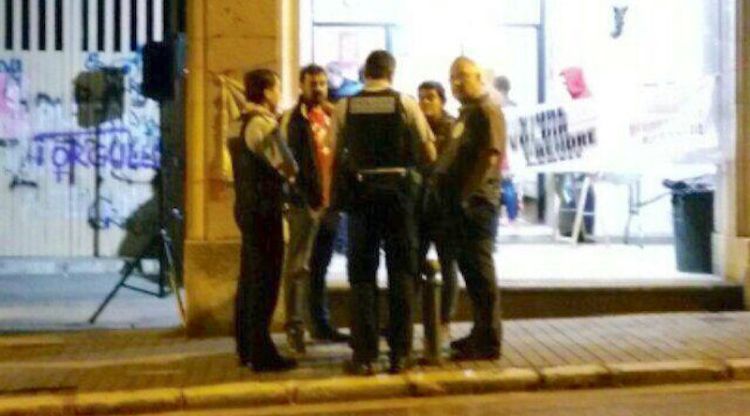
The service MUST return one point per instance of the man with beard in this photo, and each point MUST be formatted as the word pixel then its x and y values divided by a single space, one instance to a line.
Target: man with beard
pixel 305 129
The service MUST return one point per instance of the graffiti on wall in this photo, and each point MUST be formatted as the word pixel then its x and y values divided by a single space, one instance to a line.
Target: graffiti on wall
pixel 11 66
pixel 14 121
pixel 45 149
pixel 132 67
pixel 38 138
pixel 113 149
pixel 108 216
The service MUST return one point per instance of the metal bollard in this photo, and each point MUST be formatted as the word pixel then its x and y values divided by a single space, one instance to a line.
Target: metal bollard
pixel 431 320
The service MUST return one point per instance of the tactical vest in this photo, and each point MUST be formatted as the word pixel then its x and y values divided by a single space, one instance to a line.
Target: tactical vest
pixel 379 150
pixel 258 187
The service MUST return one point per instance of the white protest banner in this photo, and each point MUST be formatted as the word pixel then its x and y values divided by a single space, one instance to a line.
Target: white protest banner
pixel 673 123
pixel 550 134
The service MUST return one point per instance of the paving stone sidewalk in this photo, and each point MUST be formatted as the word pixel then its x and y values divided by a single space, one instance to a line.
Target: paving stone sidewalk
pixel 544 353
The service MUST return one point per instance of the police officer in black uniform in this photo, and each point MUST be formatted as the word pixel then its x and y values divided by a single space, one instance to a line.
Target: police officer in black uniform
pixel 468 180
pixel 263 167
pixel 382 138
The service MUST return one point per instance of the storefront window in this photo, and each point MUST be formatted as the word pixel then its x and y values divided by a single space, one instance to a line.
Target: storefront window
pixel 620 94
pixel 347 46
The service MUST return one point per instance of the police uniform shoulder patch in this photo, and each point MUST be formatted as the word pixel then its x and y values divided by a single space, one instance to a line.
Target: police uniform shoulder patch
pixel 372 105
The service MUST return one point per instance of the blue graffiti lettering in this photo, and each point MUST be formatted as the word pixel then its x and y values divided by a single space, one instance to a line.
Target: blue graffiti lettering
pixel 42 98
pixel 132 67
pixel 108 215
pixel 128 180
pixel 117 154
pixel 11 66
pixel 137 99
pixel 60 156
pixel 19 182
pixel 11 142
pixel 115 149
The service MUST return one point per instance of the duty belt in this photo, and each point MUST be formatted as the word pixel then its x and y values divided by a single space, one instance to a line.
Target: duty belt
pixel 380 172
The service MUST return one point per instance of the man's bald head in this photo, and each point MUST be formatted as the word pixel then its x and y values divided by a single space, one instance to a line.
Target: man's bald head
pixel 465 63
pixel 466 79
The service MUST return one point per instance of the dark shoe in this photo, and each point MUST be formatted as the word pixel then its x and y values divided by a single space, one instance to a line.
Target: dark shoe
pixel 473 348
pixel 359 368
pixel 461 343
pixel 243 358
pixel 274 365
pixel 295 338
pixel 475 354
pixel 330 335
pixel 399 365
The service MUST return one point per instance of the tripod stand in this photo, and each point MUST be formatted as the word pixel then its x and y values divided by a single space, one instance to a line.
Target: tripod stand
pixel 162 81
pixel 162 242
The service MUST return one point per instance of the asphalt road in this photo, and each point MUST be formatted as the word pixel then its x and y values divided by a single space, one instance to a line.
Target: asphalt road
pixel 723 399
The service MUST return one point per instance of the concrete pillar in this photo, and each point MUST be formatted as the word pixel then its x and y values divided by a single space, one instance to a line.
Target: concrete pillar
pixel 743 117
pixel 732 241
pixel 742 172
pixel 228 38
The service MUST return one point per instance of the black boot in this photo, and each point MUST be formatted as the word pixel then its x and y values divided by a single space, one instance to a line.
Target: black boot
pixel 274 364
pixel 399 365
pixel 359 368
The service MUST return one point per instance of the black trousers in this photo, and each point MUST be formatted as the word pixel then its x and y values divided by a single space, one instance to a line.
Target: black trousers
pixel 320 259
pixel 433 229
pixel 474 229
pixel 390 224
pixel 258 286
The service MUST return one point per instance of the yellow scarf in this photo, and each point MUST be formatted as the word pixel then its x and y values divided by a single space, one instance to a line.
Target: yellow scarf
pixel 232 106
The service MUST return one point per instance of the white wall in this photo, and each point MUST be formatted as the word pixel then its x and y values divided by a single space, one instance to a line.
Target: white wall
pixel 46 158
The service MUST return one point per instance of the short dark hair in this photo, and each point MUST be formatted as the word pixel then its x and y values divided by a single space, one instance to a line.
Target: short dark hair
pixel 257 82
pixel 433 85
pixel 312 70
pixel 502 83
pixel 380 64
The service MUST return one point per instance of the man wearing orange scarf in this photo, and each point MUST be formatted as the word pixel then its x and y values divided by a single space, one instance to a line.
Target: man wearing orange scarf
pixel 305 129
